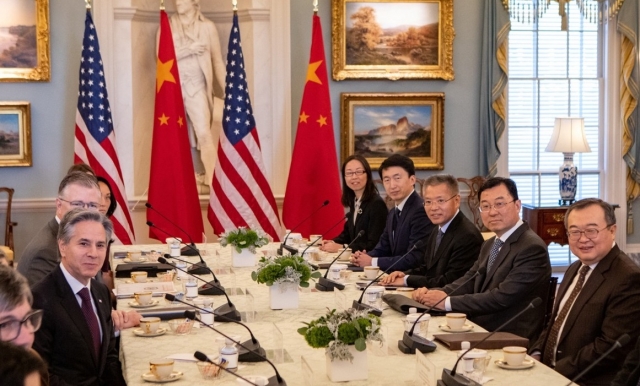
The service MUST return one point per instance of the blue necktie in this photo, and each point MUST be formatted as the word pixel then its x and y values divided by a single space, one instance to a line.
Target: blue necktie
pixel 494 252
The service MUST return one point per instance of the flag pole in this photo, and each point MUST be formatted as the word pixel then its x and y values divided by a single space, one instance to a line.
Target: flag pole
pixel 315 6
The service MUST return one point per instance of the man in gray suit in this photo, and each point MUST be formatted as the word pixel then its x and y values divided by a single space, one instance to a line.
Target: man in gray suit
pixel 517 269
pixel 41 256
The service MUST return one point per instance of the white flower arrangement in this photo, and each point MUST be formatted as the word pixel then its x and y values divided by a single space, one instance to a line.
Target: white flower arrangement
pixel 243 237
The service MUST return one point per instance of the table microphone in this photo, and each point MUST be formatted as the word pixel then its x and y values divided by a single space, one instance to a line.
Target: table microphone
pixel 273 381
pixel 227 310
pixel 311 243
pixel 450 378
pixel 325 284
pixel 410 342
pixel 357 304
pixel 210 288
pixel 193 251
pixel 253 353
pixel 622 340
pixel 197 268
pixel 284 243
pixel 202 357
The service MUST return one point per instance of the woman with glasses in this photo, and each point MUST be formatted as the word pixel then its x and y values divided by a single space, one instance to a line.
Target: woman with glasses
pixel 367 210
pixel 18 322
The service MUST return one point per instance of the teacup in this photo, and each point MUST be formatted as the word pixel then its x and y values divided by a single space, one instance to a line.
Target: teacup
pixel 166 276
pixel 345 274
pixel 371 272
pixel 346 255
pixel 455 320
pixel 139 276
pixel 161 368
pixel 135 256
pixel 143 298
pixel 150 324
pixel 313 238
pixel 514 355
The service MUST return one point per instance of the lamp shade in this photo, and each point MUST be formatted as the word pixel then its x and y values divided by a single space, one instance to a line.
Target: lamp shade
pixel 568 136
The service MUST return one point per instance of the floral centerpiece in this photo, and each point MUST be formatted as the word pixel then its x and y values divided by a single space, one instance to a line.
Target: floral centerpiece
pixel 344 335
pixel 283 274
pixel 244 242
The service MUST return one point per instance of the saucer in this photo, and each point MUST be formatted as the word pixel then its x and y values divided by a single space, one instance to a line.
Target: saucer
pixel 175 375
pixel 526 364
pixel 134 304
pixel 159 331
pixel 363 277
pixel 465 328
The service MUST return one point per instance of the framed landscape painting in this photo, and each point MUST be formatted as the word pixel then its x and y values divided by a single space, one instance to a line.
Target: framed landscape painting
pixel 376 126
pixel 392 39
pixel 15 134
pixel 24 41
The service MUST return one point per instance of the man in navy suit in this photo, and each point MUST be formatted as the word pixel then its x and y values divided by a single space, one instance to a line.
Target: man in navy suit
pixel 407 223
pixel 77 339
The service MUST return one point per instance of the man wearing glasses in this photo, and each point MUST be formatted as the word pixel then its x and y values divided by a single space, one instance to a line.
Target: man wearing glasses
pixel 517 269
pixel 453 245
pixel 597 302
pixel 77 190
pixel 18 322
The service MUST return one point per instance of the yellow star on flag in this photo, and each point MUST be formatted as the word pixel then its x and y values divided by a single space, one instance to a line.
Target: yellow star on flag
pixel 164 120
pixel 311 72
pixel 322 121
pixel 180 121
pixel 303 117
pixel 163 73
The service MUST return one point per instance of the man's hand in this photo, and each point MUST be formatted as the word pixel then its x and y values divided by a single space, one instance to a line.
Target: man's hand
pixel 361 259
pixel 430 297
pixel 330 246
pixel 395 279
pixel 122 319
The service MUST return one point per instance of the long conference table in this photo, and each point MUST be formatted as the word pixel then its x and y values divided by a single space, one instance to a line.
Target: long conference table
pixel 276 330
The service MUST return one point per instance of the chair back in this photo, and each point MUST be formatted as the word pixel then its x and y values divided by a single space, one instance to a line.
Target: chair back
pixel 551 298
pixel 473 201
pixel 8 227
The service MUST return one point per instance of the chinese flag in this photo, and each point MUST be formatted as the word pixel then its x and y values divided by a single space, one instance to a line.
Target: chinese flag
pixel 172 185
pixel 314 176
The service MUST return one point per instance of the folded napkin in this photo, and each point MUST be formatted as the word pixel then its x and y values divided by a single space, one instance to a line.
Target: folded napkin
pixel 402 304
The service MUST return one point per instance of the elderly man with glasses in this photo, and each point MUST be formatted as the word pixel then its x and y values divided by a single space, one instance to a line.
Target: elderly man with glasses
pixel 597 302
pixel 18 322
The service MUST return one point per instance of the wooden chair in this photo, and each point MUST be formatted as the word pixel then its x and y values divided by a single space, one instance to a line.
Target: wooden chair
pixel 551 298
pixel 473 201
pixel 8 230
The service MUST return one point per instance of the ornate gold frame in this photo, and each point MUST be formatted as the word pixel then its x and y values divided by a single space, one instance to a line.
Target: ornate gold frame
pixel 443 70
pixel 435 161
pixel 42 71
pixel 23 158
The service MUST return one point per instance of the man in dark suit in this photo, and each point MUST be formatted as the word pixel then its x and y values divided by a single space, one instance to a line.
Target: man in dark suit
pixel 40 257
pixel 453 245
pixel 407 223
pixel 77 339
pixel 517 269
pixel 597 301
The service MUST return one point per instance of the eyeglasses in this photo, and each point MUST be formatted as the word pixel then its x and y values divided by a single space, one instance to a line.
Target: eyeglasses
pixel 81 204
pixel 591 233
pixel 496 206
pixel 358 173
pixel 11 330
pixel 440 202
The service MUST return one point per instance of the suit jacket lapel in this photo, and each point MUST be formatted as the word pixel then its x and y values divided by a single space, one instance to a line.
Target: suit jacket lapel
pixel 504 252
pixel 447 239
pixel 102 317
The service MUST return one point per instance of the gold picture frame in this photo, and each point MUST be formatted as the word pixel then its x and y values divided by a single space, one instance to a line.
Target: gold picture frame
pixel 15 134
pixel 19 61
pixel 413 40
pixel 376 125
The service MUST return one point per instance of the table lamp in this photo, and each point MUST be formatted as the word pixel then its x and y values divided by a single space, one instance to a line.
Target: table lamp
pixel 568 137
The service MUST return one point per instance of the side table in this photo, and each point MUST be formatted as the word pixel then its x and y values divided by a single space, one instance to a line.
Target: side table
pixel 547 222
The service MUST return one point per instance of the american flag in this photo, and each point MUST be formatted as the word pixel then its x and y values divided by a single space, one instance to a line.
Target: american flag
pixel 240 194
pixel 94 136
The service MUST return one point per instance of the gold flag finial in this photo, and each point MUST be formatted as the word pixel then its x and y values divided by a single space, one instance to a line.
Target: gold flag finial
pixel 87 4
pixel 235 5
pixel 162 5
pixel 315 5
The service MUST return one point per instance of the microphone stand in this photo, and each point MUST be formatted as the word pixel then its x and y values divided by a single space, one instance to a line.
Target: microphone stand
pixel 622 340
pixel 196 268
pixel 252 353
pixel 202 357
pixel 357 304
pixel 450 378
pixel 209 288
pixel 192 250
pixel 325 284
pixel 284 245
pixel 273 381
pixel 322 235
pixel 410 342
pixel 227 310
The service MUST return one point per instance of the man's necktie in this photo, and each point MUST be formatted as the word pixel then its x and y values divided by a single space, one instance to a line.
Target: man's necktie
pixel 439 239
pixel 552 339
pixel 394 224
pixel 494 252
pixel 92 320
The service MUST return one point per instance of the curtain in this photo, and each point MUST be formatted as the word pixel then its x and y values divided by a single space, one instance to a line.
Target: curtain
pixel 628 21
pixel 493 86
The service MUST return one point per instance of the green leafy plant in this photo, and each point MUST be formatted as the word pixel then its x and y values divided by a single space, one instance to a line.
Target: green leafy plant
pixel 337 330
pixel 244 238
pixel 283 270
